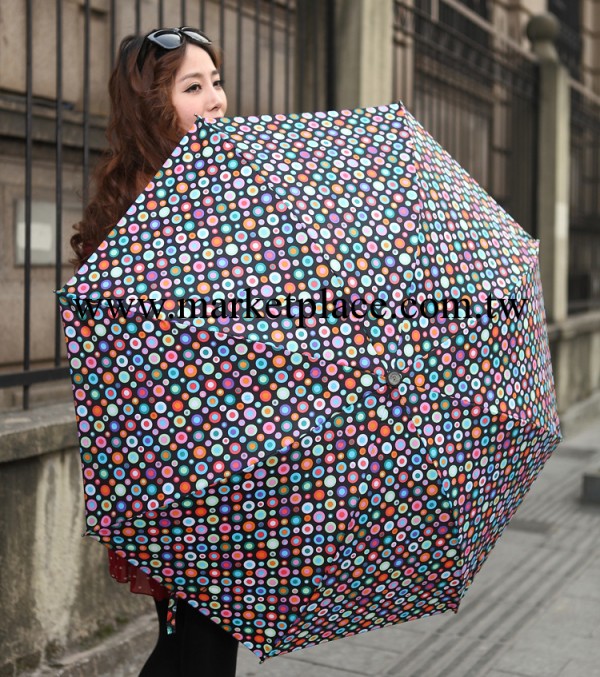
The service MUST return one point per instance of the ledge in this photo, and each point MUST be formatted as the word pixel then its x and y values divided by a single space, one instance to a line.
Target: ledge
pixel 575 326
pixel 580 415
pixel 39 431
pixel 12 123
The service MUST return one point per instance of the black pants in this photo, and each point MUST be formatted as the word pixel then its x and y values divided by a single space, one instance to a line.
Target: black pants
pixel 198 648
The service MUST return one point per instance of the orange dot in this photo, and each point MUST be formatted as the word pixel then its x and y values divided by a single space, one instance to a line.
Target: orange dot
pixel 306 464
pixel 279 361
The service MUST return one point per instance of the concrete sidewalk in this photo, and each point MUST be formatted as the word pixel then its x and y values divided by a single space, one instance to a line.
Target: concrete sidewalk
pixel 533 610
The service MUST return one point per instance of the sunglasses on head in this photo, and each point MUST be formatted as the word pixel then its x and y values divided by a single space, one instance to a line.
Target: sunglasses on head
pixel 169 38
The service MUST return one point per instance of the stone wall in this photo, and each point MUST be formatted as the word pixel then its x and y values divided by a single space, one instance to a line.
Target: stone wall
pixel 57 594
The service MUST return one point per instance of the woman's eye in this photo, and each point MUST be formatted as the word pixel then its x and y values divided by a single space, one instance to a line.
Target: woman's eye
pixel 218 83
pixel 193 88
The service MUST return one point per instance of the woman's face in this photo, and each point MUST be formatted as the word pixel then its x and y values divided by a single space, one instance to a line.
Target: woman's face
pixel 197 89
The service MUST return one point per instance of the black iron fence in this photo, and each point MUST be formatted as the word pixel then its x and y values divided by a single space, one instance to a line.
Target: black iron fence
pixel 584 207
pixel 56 121
pixel 475 90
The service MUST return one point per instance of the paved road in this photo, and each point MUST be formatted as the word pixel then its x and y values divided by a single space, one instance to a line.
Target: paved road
pixel 533 610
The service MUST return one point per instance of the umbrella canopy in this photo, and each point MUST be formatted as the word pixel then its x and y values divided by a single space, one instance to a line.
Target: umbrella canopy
pixel 299 472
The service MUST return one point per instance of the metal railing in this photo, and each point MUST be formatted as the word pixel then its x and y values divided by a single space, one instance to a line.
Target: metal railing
pixel 584 204
pixel 259 41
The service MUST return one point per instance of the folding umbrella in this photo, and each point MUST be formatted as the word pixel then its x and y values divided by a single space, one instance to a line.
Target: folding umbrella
pixel 311 375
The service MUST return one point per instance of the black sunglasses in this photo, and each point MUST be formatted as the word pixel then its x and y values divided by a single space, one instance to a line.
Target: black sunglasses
pixel 169 38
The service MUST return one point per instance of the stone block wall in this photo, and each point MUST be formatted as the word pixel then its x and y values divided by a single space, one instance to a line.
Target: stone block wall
pixel 56 593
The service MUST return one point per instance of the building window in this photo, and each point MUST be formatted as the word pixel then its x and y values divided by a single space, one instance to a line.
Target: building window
pixel 569 43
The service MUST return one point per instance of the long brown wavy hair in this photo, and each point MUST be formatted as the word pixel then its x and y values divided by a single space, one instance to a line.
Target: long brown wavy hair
pixel 143 129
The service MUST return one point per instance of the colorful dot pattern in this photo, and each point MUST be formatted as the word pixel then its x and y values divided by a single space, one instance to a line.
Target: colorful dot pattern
pixel 265 471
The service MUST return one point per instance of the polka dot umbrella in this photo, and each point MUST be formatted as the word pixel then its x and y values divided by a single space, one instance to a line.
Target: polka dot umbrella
pixel 311 375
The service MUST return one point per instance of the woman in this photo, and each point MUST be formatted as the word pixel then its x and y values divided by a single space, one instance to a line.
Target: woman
pixel 161 83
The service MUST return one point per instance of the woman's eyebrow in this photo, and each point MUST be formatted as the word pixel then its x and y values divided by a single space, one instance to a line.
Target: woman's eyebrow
pixel 196 75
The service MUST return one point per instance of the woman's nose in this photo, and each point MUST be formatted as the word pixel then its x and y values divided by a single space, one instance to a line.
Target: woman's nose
pixel 215 99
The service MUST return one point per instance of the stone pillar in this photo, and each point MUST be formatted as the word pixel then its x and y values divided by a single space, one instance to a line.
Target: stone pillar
pixel 364 52
pixel 553 166
pixel 344 53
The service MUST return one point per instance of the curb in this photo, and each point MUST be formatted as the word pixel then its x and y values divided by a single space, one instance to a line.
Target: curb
pixel 122 655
